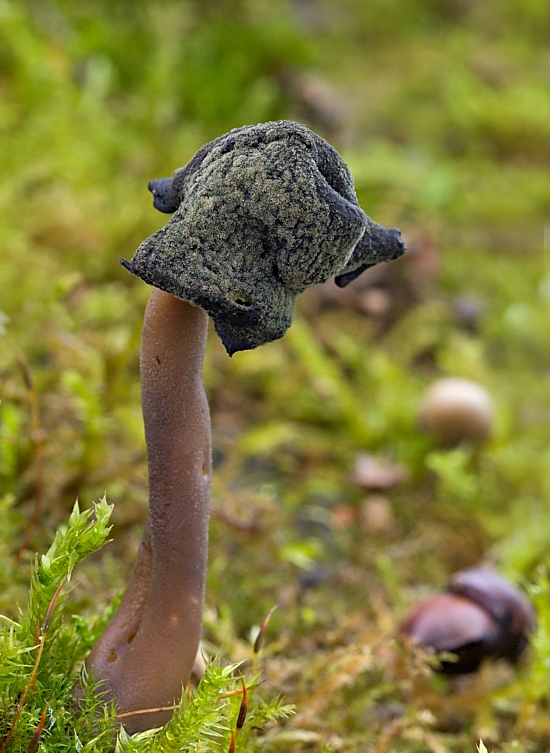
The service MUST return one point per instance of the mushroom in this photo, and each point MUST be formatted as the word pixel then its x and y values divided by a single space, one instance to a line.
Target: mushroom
pixel 260 214
pixel 481 615
pixel 457 410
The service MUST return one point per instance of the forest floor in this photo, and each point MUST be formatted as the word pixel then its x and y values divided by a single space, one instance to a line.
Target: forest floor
pixel 442 112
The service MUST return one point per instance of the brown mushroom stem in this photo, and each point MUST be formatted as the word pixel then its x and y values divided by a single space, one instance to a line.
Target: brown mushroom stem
pixel 146 653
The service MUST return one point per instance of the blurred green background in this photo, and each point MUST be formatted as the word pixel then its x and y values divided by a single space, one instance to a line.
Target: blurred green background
pixel 442 110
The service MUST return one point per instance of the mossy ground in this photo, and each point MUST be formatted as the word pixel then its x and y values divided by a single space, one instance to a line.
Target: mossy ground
pixel 442 111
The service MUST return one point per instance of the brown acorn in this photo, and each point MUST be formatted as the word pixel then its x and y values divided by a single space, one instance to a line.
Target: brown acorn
pixel 508 607
pixel 479 616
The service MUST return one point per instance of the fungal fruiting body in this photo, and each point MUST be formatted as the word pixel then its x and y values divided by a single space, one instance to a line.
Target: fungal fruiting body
pixel 479 616
pixel 457 410
pixel 260 214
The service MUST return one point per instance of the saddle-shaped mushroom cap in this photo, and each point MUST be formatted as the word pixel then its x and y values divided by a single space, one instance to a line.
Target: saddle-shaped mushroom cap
pixel 260 214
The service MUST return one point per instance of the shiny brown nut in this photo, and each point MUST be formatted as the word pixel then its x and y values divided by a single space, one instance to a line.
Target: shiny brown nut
pixel 509 608
pixel 452 624
pixel 457 410
pixel 480 615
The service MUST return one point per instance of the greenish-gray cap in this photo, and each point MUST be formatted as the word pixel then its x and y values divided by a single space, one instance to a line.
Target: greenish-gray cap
pixel 260 214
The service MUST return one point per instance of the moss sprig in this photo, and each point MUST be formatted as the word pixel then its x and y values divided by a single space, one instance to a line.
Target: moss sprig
pixel 42 653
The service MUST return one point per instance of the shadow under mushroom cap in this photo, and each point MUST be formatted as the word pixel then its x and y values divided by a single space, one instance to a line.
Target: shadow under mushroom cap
pixel 261 214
